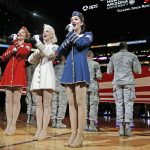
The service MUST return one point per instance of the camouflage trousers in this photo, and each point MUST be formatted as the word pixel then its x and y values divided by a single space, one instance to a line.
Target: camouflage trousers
pixel 92 102
pixel 59 105
pixel 31 106
pixel 124 98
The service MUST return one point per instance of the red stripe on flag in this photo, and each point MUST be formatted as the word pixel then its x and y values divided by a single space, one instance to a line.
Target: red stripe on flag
pixel 137 96
pixel 146 1
pixel 143 88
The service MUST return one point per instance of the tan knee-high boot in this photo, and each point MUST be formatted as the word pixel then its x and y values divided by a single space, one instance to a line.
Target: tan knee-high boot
pixel 9 109
pixel 72 114
pixel 47 95
pixel 16 109
pixel 39 113
pixel 80 97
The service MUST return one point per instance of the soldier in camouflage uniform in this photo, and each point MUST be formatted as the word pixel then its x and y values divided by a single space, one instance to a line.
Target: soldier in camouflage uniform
pixel 123 64
pixel 93 92
pixel 59 100
pixel 31 107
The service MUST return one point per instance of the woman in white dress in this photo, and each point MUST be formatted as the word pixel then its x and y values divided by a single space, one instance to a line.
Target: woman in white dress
pixel 43 81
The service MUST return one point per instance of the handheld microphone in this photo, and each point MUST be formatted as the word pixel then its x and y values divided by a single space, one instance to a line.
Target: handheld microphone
pixel 40 37
pixel 69 27
pixel 66 28
pixel 32 40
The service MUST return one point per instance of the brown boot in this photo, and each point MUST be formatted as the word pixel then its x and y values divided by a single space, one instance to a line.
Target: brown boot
pixel 78 141
pixel 71 139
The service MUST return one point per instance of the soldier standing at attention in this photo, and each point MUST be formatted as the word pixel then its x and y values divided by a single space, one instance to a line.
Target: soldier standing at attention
pixel 123 64
pixel 59 99
pixel 31 106
pixel 93 93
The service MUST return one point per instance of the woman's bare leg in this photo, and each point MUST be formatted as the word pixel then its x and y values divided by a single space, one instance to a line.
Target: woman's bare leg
pixel 47 96
pixel 17 92
pixel 9 108
pixel 39 112
pixel 81 103
pixel 70 91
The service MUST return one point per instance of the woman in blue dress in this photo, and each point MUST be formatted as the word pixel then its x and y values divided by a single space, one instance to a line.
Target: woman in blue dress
pixel 76 77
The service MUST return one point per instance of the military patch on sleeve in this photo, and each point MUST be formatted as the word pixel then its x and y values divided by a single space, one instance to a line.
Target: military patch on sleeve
pixel 89 37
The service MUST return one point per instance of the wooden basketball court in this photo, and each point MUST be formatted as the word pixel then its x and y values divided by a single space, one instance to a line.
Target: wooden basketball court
pixel 106 139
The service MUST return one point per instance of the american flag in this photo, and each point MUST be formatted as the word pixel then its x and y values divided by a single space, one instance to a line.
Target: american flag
pixel 142 87
pixel 146 1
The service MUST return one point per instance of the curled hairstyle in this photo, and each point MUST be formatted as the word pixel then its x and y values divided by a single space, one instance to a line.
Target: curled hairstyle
pixel 52 31
pixel 26 31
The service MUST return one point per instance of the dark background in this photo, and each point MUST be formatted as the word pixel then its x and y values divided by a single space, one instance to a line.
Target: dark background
pixel 107 25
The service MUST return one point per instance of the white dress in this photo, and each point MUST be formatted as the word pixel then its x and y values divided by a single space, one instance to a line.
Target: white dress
pixel 44 74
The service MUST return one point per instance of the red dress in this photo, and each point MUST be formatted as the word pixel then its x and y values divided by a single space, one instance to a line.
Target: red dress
pixel 15 71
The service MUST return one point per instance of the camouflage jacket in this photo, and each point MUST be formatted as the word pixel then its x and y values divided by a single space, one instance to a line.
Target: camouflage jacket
pixel 123 64
pixel 95 72
pixel 58 72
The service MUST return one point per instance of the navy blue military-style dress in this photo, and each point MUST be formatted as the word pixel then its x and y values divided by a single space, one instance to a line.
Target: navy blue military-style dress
pixel 76 68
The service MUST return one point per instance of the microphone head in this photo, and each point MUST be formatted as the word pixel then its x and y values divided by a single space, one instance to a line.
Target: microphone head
pixel 10 37
pixel 32 40
pixel 66 28
pixel 40 37
pixel 69 27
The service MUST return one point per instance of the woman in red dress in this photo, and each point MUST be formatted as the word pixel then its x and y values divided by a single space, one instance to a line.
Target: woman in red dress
pixel 14 78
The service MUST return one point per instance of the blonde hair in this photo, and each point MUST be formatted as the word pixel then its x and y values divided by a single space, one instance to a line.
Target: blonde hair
pixel 51 29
